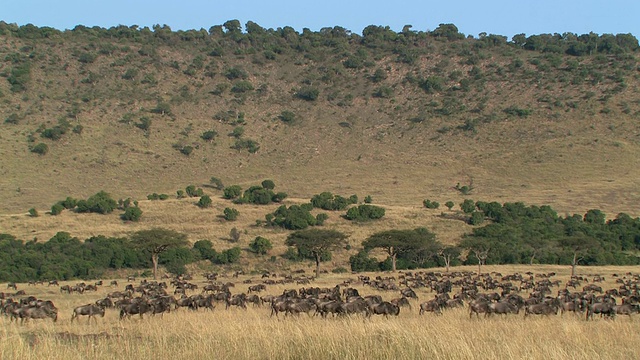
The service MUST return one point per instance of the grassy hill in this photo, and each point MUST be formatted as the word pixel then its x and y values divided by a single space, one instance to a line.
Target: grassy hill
pixel 398 116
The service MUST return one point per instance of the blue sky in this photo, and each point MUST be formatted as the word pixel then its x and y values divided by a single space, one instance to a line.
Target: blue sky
pixel 502 17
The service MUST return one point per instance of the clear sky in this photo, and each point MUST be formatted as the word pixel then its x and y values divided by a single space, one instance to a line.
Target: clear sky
pixel 502 17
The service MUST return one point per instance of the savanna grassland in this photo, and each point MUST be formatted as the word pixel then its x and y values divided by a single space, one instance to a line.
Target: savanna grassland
pixel 548 119
pixel 253 333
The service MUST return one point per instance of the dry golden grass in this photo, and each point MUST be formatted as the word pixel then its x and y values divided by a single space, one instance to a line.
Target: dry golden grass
pixel 253 334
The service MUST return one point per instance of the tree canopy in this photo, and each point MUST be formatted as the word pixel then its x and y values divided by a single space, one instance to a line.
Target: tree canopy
pixel 314 243
pixel 418 243
pixel 157 240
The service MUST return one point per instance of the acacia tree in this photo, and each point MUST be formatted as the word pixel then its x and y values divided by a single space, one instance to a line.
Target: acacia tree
pixel 314 243
pixel 578 246
pixel 449 253
pixel 156 241
pixel 396 242
pixel 480 249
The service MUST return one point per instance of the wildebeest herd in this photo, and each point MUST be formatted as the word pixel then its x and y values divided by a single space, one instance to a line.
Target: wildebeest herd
pixel 487 294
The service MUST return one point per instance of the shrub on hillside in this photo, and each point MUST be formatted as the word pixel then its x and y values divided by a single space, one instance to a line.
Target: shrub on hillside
pixel 260 245
pixel 101 203
pixel 132 213
pixel 204 202
pixel 430 204
pixel 230 214
pixel 365 212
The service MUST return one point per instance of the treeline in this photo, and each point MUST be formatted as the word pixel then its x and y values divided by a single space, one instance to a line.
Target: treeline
pixel 64 257
pixel 513 233
pixel 276 41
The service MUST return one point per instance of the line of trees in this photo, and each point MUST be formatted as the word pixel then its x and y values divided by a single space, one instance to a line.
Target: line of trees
pixel 64 257
pixel 274 41
pixel 513 233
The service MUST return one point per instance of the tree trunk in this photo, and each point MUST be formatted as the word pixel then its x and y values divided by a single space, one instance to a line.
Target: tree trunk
pixel 317 266
pixel 154 259
pixel 393 262
pixel 447 262
pixel 531 259
pixel 479 267
pixel 573 264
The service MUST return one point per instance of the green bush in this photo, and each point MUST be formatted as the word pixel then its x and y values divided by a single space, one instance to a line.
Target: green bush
pixel 287 117
pixel 321 218
pixel 132 213
pixel 101 203
pixel 328 201
pixel 308 93
pixel 364 212
pixel 430 204
pixel 56 209
pixel 477 218
pixel 156 196
pixel 449 204
pixel 295 217
pixel 40 149
pixel 368 199
pixel 192 191
pixel 33 212
pixel 232 192
pixel 230 214
pixel 180 194
pixel 260 245
pixel 241 86
pixel 209 135
pixel 468 206
pixel 268 184
pixel 204 202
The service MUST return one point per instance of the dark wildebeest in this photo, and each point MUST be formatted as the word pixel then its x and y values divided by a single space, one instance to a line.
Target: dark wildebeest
pixel 408 292
pixel 430 306
pixel 237 300
pixel 356 306
pixel 105 303
pixel 503 307
pixel 295 308
pixel 26 313
pixel 12 285
pixel 384 308
pixel 257 288
pixel 113 283
pixel 477 306
pixel 626 309
pixel 53 282
pixel 134 308
pixel 91 310
pixel 254 299
pixel 66 288
pixel 541 309
pixel 574 306
pixel 604 309
pixel 403 301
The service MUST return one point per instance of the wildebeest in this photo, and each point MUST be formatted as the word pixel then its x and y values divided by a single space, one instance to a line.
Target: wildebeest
pixel 12 285
pixel 402 301
pixel 626 309
pixel 384 308
pixel 408 292
pixel 477 306
pixel 604 309
pixel 113 283
pixel 430 306
pixel 87 310
pixel 139 307
pixel 541 309
pixel 26 313
pixel 503 307
pixel 53 282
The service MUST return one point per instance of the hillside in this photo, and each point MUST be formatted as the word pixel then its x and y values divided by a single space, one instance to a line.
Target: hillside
pixel 547 119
